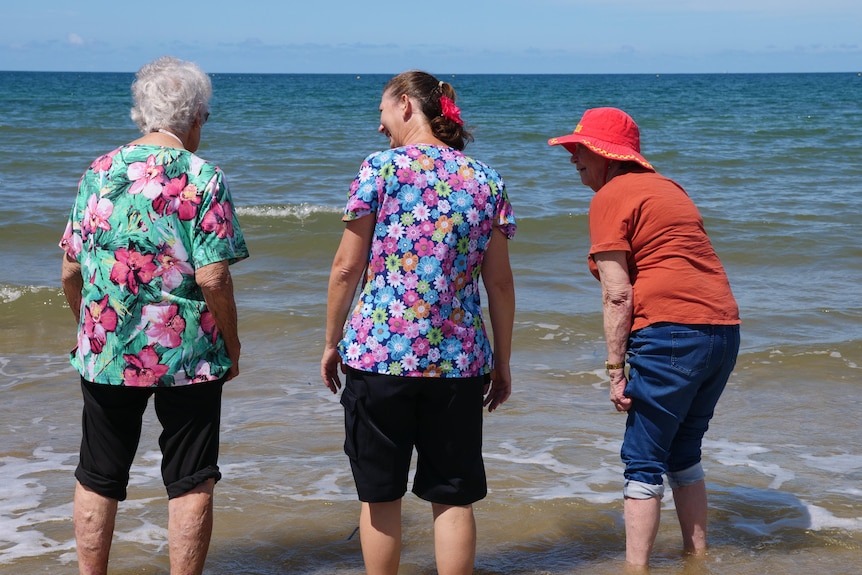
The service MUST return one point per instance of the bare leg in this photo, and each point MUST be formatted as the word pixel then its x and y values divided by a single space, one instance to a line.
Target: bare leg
pixel 642 521
pixel 454 539
pixel 190 525
pixel 380 536
pixel 93 517
pixel 690 502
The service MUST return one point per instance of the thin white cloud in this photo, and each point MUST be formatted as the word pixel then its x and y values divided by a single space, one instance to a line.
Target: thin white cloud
pixel 75 40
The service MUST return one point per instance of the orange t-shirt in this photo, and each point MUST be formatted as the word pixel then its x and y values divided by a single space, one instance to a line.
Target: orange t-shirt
pixel 676 275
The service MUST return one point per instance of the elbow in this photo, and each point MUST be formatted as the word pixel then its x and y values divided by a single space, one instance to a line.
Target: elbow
pixel 618 299
pixel 70 275
pixel 504 285
pixel 214 277
pixel 67 281
pixel 345 273
pixel 498 278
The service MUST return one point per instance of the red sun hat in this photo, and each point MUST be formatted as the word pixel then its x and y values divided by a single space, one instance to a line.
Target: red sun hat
pixel 610 133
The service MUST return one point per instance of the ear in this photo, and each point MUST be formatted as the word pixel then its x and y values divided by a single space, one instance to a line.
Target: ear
pixel 406 105
pixel 200 119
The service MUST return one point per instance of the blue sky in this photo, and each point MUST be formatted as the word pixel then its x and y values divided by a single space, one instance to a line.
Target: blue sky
pixel 441 36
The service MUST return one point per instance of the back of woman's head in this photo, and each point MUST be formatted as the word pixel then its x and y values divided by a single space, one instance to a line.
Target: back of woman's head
pixel 169 93
pixel 432 94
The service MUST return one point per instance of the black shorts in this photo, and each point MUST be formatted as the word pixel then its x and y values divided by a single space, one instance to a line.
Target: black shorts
pixel 112 420
pixel 387 416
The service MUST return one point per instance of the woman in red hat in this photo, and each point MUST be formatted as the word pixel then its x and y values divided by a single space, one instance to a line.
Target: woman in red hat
pixel 669 314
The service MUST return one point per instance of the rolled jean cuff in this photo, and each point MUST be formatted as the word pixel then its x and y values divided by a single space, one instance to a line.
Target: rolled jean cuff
pixel 639 490
pixel 684 477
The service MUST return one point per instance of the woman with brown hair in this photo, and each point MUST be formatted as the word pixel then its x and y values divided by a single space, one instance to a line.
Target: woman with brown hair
pixel 423 223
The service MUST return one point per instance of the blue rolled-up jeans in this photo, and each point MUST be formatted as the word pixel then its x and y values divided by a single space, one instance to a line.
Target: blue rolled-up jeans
pixel 677 374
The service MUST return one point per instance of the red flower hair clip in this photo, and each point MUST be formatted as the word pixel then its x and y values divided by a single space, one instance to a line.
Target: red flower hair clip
pixel 450 110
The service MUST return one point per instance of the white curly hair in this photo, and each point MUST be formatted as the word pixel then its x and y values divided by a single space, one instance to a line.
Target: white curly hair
pixel 170 93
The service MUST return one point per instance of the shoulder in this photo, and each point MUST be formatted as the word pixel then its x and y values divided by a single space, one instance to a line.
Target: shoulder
pixel 648 185
pixel 633 183
pixel 479 167
pixel 382 157
pixel 490 173
pixel 201 165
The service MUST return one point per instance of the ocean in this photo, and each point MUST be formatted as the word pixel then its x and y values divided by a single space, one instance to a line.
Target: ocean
pixel 774 162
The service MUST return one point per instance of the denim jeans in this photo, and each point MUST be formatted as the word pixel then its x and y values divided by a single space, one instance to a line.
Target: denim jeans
pixel 677 374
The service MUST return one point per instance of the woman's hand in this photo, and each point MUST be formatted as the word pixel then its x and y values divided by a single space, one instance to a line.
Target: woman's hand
pixel 329 367
pixel 498 390
pixel 618 390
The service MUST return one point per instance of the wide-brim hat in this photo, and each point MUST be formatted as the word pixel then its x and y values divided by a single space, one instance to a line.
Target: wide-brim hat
pixel 610 133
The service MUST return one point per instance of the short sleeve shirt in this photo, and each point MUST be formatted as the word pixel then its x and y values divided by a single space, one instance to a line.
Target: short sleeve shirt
pixel 676 275
pixel 145 218
pixel 419 313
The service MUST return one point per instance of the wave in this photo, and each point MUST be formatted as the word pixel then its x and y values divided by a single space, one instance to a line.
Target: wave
pixel 10 293
pixel 300 211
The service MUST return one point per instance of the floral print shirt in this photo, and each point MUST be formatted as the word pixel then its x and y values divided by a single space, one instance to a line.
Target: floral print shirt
pixel 145 218
pixel 419 313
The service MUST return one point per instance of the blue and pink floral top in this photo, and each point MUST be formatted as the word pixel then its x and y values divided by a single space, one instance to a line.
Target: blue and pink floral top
pixel 145 218
pixel 419 313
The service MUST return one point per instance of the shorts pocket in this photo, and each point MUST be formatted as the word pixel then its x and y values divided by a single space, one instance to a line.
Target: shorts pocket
pixel 690 351
pixel 349 402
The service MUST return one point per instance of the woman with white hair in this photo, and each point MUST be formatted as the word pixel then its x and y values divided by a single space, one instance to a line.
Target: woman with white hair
pixel 145 272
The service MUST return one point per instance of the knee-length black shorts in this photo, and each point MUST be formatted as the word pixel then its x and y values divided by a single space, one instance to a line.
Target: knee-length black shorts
pixel 387 416
pixel 111 423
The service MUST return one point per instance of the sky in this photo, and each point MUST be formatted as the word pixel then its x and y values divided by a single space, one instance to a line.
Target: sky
pixel 440 36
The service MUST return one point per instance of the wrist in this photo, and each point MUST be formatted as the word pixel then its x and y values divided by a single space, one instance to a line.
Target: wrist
pixel 616 368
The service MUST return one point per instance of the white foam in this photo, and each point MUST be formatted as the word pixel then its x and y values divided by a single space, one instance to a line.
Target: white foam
pixel 26 511
pixel 838 463
pixel 9 294
pixel 22 508
pixel 741 454
pixel 301 211
pixel 146 533
pixel 822 519
pixel 147 468
pixel 575 487
pixel 771 511
pixel 513 454
pixel 325 488
pixel 569 480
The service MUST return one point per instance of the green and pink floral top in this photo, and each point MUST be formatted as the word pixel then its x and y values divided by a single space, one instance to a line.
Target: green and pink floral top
pixel 419 313
pixel 145 218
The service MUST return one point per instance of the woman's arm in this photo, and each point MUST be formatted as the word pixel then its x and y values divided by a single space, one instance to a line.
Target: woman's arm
pixel 73 283
pixel 617 306
pixel 348 267
pixel 216 283
pixel 500 287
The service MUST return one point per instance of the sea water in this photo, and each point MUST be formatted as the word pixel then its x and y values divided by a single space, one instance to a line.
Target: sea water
pixel 773 161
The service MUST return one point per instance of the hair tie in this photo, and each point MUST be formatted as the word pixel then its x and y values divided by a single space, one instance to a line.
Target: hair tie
pixel 450 110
